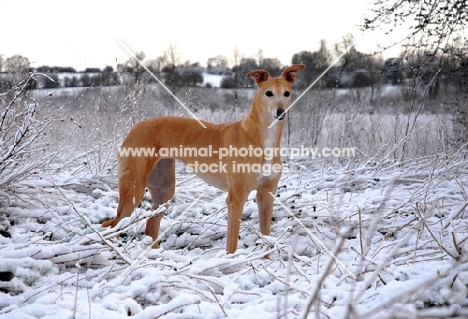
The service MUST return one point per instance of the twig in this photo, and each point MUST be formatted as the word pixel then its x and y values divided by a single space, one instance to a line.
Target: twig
pixel 217 300
pixel 105 241
pixel 76 291
pixel 325 272
pixel 423 219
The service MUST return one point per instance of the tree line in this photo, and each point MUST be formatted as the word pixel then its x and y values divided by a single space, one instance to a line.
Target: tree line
pixel 355 69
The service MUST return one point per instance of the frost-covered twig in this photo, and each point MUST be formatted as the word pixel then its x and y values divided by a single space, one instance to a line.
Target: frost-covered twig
pixel 21 149
pixel 323 276
pixel 409 128
pixel 217 301
pixel 423 220
pixel 88 223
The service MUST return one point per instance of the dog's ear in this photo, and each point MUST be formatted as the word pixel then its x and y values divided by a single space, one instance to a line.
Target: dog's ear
pixel 259 76
pixel 289 74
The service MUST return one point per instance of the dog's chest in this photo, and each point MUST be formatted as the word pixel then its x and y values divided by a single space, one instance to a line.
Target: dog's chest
pixel 270 145
pixel 270 137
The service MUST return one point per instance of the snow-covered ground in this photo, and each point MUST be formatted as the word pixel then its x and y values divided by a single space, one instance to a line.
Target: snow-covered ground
pixel 382 235
pixel 368 240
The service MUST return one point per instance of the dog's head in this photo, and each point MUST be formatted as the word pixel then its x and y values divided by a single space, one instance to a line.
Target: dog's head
pixel 275 93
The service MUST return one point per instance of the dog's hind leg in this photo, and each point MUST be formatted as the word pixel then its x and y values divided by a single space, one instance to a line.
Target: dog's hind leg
pixel 161 185
pixel 133 175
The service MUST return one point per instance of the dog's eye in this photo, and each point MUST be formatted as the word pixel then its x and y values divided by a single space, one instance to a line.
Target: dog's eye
pixel 269 93
pixel 287 93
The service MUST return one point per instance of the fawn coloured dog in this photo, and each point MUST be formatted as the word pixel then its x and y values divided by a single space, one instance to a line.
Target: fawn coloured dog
pixel 158 173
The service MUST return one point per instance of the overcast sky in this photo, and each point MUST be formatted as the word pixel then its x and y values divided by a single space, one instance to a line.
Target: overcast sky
pixel 86 33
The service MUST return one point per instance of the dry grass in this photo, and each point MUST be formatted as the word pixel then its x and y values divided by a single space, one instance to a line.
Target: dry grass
pixel 322 119
pixel 390 209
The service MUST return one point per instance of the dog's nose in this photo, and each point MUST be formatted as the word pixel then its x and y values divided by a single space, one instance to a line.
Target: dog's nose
pixel 280 114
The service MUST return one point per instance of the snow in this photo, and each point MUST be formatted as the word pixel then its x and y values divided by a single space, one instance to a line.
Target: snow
pixel 212 79
pixel 398 258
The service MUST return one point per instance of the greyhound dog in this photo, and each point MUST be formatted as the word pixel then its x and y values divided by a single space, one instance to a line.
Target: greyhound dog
pixel 241 168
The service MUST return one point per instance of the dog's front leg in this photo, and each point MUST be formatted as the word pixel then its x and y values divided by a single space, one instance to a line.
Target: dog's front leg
pixel 265 204
pixel 235 205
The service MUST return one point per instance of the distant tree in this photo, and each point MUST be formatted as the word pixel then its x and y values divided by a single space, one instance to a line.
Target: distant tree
pixel 175 79
pixel 1 62
pixel 193 78
pixel 373 64
pixel 240 71
pixel 352 60
pixel 106 78
pixel 316 63
pixel 307 58
pixel 92 70
pixel 218 62
pixel 5 84
pixel 237 79
pixel 358 69
pixel 156 65
pixel 109 76
pixel 436 42
pixel 229 82
pixel 260 56
pixel 172 55
pixel 32 85
pixel 86 80
pixel 133 66
pixel 272 65
pixel 43 69
pixel 436 33
pixel 71 82
pixel 232 81
pixel 394 70
pixel 174 75
pixel 246 65
pixel 66 69
pixel 55 69
pixel 17 63
pixel 428 69
pixel 361 78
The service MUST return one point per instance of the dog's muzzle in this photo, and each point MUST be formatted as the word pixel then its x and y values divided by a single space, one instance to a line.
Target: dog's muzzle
pixel 280 114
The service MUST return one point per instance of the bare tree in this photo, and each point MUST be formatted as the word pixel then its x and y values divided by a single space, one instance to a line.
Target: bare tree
pixel 17 63
pixel 23 121
pixel 437 36
pixel 134 66
pixel 172 55
pixel 260 56
pixel 430 22
pixel 156 65
pixel 316 62
pixel 219 61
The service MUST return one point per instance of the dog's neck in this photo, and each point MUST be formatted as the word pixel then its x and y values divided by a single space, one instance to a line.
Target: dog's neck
pixel 256 124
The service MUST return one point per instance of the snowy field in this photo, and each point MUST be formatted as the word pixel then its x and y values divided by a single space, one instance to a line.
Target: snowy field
pixel 361 238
